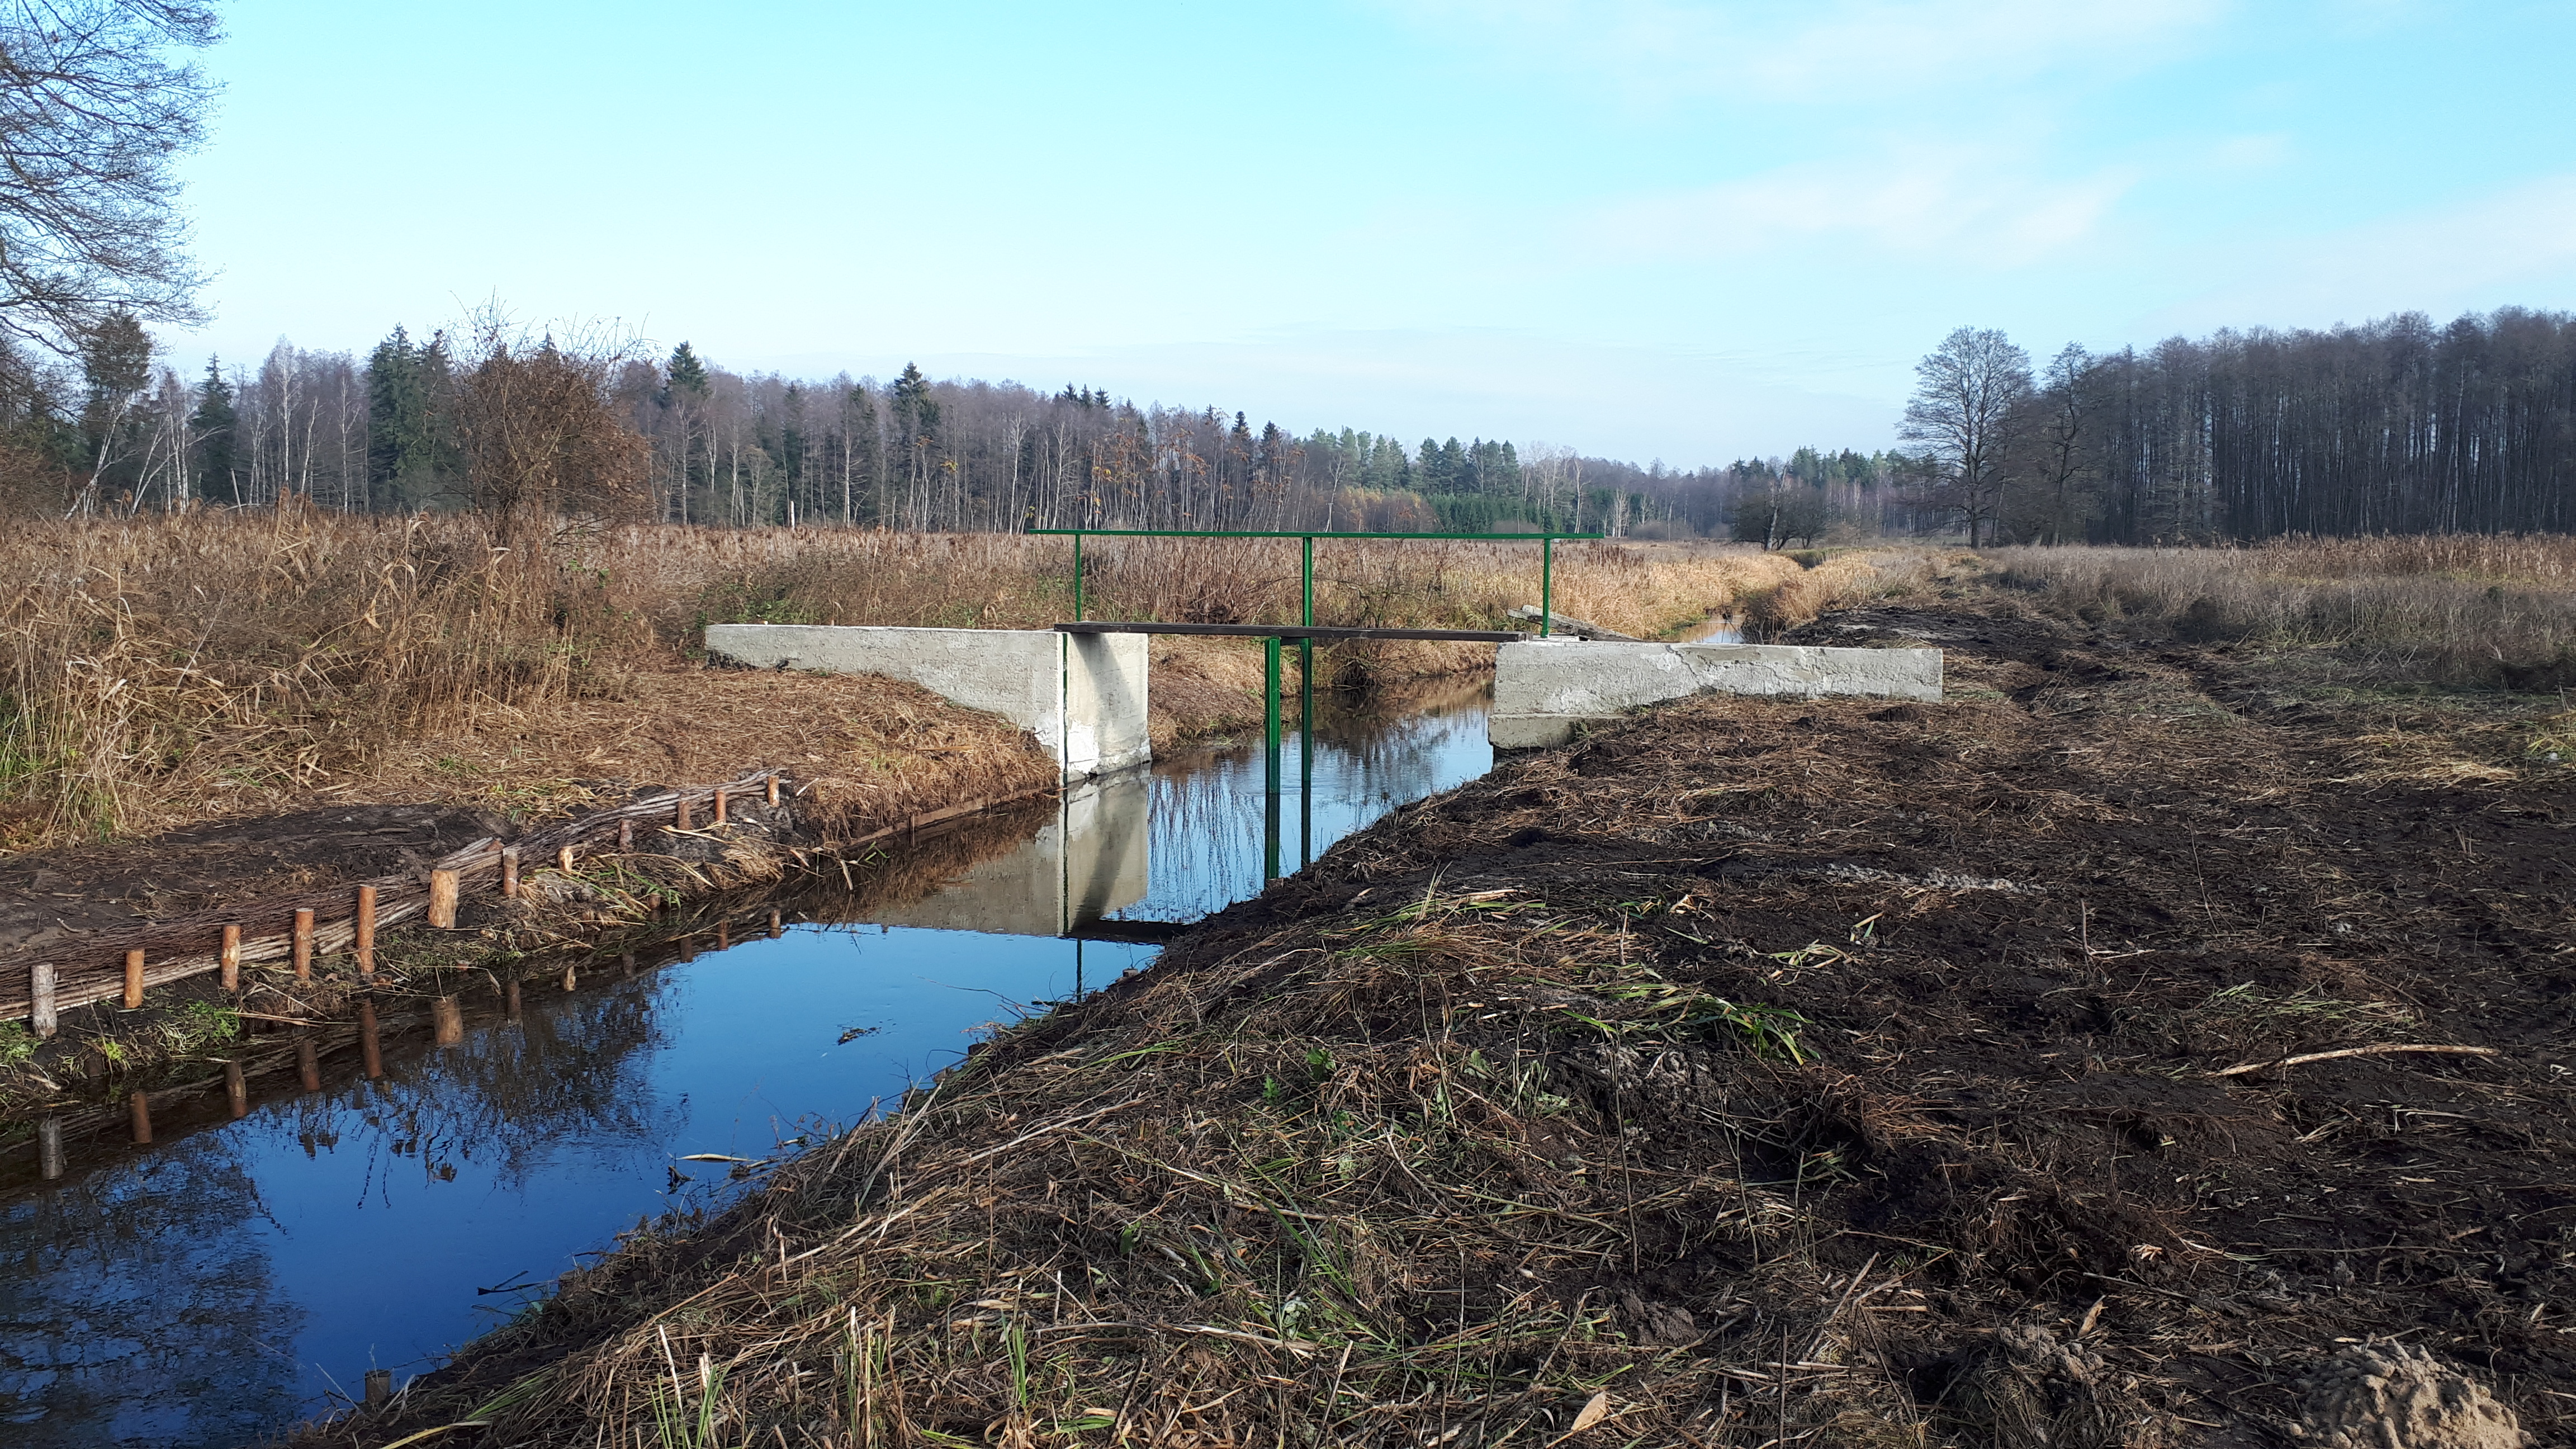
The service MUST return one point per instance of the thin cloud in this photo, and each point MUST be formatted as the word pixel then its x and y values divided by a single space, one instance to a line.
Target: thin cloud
pixel 2515 244
pixel 1957 204
pixel 1854 52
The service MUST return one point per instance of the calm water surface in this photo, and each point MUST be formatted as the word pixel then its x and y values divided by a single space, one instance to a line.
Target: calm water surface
pixel 239 1276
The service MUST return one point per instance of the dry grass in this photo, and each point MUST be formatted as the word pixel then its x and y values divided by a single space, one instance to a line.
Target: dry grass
pixel 1840 581
pixel 171 669
pixel 2442 609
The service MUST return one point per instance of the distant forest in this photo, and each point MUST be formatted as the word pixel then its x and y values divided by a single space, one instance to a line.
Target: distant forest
pixel 2398 425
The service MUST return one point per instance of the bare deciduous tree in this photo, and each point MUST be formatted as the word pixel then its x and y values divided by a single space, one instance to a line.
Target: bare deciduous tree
pixel 92 113
pixel 1962 413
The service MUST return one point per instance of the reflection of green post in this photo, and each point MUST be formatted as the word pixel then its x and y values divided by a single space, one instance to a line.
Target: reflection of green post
pixel 1546 579
pixel 1305 752
pixel 1077 576
pixel 1270 756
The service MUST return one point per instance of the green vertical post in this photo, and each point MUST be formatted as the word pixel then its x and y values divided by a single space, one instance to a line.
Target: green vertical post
pixel 1077 576
pixel 1546 581
pixel 1306 710
pixel 1270 757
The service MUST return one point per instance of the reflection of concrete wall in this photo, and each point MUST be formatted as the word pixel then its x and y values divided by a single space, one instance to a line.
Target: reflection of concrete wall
pixel 1087 862
pixel 1543 687
pixel 1083 697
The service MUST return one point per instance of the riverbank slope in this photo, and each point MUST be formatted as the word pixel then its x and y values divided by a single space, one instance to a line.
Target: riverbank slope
pixel 2086 1060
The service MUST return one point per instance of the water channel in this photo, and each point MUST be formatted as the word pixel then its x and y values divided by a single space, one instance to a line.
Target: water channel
pixel 239 1275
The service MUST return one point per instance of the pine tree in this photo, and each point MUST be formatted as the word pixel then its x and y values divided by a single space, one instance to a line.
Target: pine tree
pixel 211 428
pixel 412 457
pixel 685 374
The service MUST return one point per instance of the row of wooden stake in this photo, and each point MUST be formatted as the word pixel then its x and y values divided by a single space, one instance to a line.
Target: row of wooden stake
pixel 445 887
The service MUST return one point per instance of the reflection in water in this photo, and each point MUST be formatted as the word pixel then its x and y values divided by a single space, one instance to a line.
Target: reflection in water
pixel 1086 861
pixel 1209 820
pixel 389 1191
pixel 127 1298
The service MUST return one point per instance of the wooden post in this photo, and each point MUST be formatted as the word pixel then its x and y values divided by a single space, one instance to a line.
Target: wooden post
pixel 369 1047
pixel 625 835
pixel 141 1106
pixel 380 1388
pixel 563 860
pixel 509 870
pixel 49 1148
pixel 41 984
pixel 720 805
pixel 683 816
pixel 570 981
pixel 232 958
pixel 774 931
pixel 236 1090
pixel 626 963
pixel 442 899
pixel 304 944
pixel 308 1064
pixel 366 930
pixel 450 1018
pixel 134 982
pixel 510 994
pixel 773 792
pixel 724 937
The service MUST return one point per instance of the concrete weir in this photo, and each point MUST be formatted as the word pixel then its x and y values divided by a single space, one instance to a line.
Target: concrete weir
pixel 1543 688
pixel 1083 697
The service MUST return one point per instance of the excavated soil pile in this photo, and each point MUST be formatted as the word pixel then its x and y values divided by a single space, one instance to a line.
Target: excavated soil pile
pixel 1752 1072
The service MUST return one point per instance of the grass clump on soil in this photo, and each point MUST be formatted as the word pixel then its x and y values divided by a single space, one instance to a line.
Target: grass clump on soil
pixel 1750 1072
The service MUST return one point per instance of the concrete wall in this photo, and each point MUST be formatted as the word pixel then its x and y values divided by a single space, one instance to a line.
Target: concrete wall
pixel 1543 688
pixel 1087 862
pixel 1082 697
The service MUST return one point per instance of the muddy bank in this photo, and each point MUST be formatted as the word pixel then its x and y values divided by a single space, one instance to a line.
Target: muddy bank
pixel 2051 1066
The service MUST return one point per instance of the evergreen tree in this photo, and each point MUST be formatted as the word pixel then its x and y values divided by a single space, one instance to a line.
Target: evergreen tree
pixel 412 457
pixel 685 374
pixel 210 430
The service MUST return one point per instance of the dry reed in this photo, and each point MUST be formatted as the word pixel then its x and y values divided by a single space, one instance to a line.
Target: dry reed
pixel 2444 609
pixel 1838 582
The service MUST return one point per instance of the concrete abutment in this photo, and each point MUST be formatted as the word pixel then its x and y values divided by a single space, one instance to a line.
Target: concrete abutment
pixel 1544 688
pixel 1082 697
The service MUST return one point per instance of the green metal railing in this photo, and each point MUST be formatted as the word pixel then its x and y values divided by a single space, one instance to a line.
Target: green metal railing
pixel 1546 541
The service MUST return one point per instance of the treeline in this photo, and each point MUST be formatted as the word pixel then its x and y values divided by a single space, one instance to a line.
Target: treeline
pixel 2396 426
pixel 390 432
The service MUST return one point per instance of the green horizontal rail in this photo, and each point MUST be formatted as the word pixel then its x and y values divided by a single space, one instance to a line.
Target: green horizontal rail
pixel 1313 533
pixel 1306 569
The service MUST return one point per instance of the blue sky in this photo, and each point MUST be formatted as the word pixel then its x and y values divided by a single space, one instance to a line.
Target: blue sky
pixel 1644 228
